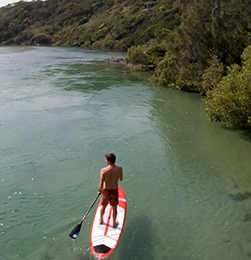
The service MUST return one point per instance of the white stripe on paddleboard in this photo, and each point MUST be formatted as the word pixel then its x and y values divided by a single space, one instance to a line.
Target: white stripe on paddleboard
pixel 122 199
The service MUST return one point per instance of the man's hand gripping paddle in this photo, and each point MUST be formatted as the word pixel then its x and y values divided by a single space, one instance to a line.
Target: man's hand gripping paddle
pixel 75 231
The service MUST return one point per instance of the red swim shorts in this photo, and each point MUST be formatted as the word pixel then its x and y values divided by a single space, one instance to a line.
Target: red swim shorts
pixel 111 195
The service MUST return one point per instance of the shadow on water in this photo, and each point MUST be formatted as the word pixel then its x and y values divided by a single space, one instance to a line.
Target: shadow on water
pixel 246 134
pixel 140 241
pixel 137 240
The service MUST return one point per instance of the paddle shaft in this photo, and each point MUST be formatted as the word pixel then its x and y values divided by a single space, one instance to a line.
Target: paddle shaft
pixel 88 211
pixel 75 231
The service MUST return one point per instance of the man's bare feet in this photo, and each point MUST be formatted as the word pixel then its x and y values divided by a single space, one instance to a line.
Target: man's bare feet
pixel 101 222
pixel 115 224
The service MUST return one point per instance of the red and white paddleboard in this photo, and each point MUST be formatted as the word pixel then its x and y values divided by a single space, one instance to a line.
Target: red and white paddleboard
pixel 104 238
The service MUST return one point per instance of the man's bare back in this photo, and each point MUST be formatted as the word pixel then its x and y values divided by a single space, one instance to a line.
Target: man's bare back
pixel 109 177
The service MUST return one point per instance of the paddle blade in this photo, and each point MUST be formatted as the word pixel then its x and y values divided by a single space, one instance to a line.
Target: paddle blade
pixel 74 233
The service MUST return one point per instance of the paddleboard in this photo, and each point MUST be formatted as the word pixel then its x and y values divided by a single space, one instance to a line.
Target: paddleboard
pixel 104 238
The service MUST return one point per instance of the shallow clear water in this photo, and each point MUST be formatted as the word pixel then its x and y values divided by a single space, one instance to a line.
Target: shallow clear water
pixel 187 181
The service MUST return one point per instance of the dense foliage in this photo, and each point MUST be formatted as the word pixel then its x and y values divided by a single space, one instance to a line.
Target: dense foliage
pixel 107 24
pixel 230 100
pixel 194 45
pixel 220 28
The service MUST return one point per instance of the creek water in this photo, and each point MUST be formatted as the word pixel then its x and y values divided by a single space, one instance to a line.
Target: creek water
pixel 187 180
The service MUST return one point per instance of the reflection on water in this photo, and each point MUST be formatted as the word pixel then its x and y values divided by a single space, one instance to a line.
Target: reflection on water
pixel 187 180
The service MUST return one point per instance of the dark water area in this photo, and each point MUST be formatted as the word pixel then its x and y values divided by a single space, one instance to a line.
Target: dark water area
pixel 187 180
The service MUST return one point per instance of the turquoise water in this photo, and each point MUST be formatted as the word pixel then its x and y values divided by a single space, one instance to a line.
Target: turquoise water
pixel 187 180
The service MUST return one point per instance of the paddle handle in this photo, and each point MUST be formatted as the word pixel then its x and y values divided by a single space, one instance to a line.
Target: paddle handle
pixel 88 211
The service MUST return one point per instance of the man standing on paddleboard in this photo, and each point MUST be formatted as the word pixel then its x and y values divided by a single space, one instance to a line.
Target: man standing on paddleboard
pixel 108 186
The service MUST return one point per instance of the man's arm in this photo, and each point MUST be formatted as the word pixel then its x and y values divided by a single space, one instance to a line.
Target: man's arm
pixel 121 175
pixel 101 181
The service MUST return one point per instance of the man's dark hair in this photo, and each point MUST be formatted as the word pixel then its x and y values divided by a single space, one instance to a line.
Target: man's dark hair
pixel 111 157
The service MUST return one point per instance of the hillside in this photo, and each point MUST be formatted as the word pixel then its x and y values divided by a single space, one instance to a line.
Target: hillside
pixel 107 24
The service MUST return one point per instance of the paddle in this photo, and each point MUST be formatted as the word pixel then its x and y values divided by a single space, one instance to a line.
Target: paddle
pixel 75 231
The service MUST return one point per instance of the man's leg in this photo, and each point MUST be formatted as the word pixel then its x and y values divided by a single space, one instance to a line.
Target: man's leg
pixel 115 223
pixel 102 212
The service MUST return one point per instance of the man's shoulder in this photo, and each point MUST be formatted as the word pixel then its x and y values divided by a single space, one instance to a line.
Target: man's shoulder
pixel 104 169
pixel 119 168
pixel 108 169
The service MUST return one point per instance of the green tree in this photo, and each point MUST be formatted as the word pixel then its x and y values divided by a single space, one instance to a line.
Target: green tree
pixel 156 53
pixel 208 27
pixel 230 100
pixel 41 38
pixel 212 75
pixel 136 55
pixel 167 71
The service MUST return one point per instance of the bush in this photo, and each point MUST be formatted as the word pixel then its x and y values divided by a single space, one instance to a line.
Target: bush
pixel 41 38
pixel 156 53
pixel 230 100
pixel 136 55
pixel 212 75
pixel 189 77
pixel 166 71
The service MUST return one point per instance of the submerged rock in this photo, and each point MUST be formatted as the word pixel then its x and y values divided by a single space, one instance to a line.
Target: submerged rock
pixel 115 60
pixel 148 67
pixel 240 196
pixel 247 217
